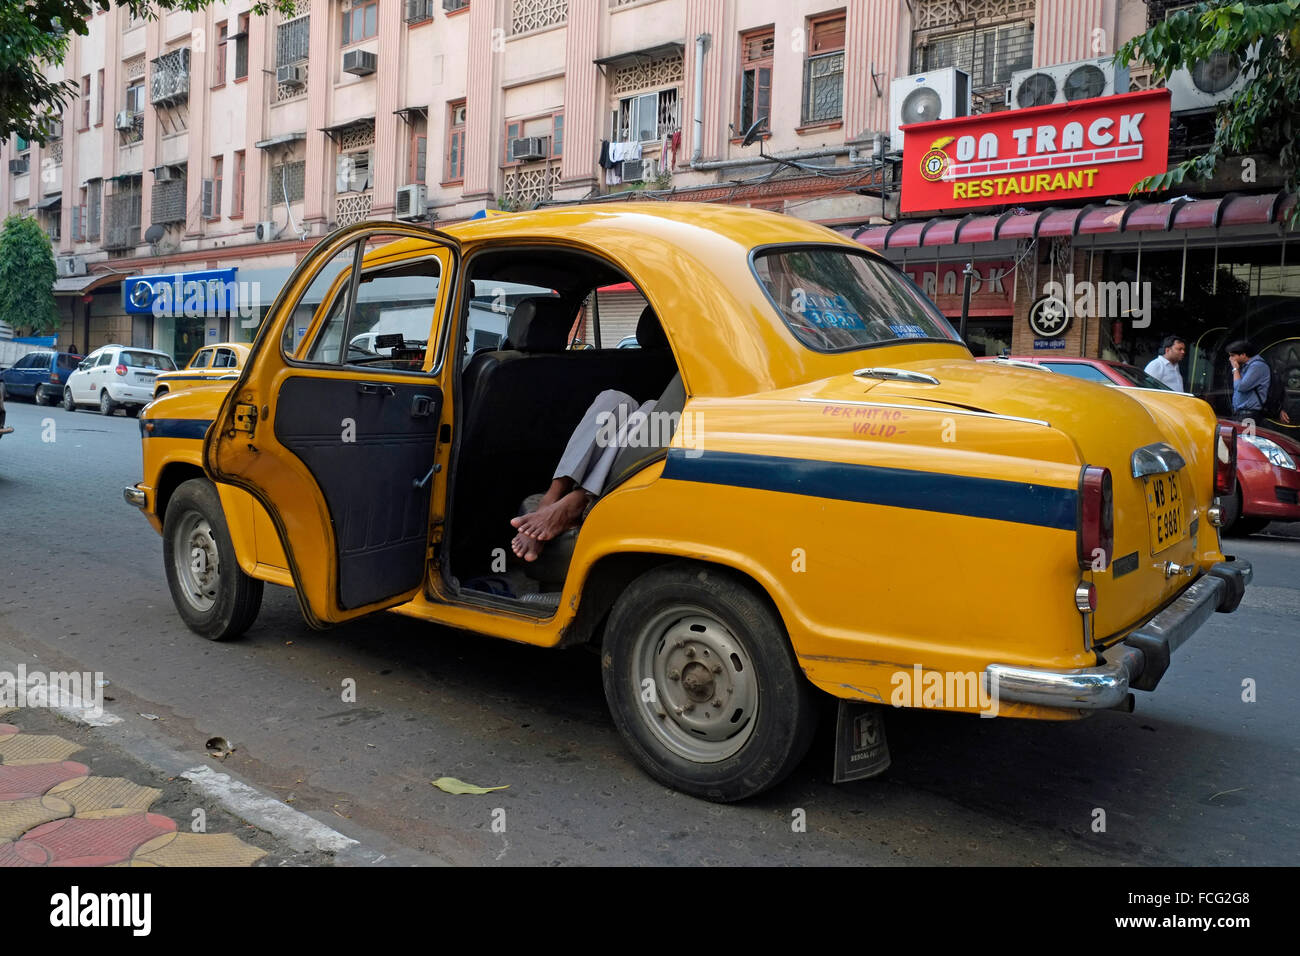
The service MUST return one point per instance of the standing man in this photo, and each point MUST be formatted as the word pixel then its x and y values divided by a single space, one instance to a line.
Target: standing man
pixel 1164 367
pixel 1250 380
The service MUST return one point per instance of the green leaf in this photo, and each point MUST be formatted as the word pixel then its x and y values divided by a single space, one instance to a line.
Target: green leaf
pixel 452 785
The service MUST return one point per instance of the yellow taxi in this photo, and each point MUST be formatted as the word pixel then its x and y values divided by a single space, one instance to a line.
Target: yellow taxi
pixel 212 363
pixel 829 497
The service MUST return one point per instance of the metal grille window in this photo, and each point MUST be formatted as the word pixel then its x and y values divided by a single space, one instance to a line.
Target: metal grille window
pixel 122 229
pixel 417 11
pixel 294 177
pixel 291 41
pixel 169 198
pixel 647 117
pixel 990 55
pixel 823 71
pixel 94 207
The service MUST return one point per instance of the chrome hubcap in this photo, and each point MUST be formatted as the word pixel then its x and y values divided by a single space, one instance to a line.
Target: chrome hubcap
pixel 696 684
pixel 198 568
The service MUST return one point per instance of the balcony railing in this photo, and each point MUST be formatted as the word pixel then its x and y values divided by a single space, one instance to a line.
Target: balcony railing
pixel 527 15
pixel 170 77
pixel 168 201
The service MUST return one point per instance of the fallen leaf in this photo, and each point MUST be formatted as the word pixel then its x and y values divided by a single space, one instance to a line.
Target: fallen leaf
pixel 452 785
pixel 150 716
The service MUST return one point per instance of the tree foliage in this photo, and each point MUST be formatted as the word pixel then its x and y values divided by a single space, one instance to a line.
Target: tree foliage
pixel 27 276
pixel 34 35
pixel 1264 115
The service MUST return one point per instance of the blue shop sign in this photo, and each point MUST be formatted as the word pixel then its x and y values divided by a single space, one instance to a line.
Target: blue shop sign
pixel 211 292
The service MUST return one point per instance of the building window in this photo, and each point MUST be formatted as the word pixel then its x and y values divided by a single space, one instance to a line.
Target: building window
pixel 823 73
pixel 361 22
pixel 212 199
pixel 456 142
pixel 292 41
pixel 123 215
pixel 99 99
pixel 241 47
pixel 418 153
pixel 557 136
pixel 549 129
pixel 237 201
pixel 135 98
pixel 285 178
pixel 419 11
pixel 352 171
pixel 219 55
pixel 85 102
pixel 755 78
pixel 646 117
pixel 451 6
pixel 990 55
pixel 78 218
pixel 94 205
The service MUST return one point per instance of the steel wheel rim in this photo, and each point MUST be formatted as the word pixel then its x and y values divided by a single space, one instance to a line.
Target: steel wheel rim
pixel 705 696
pixel 196 561
pixel 104 401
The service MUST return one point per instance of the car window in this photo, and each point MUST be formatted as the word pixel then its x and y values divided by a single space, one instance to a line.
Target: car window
pixel 24 362
pixel 147 360
pixel 225 358
pixel 201 358
pixel 68 361
pixel 1140 378
pixel 835 300
pixel 1089 373
pixel 105 358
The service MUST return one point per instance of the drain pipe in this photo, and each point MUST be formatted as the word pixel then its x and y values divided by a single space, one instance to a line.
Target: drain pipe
pixel 701 45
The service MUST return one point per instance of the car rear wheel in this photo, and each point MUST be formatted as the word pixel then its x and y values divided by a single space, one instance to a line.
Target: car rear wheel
pixel 68 403
pixel 38 395
pixel 106 406
pixel 703 684
pixel 214 597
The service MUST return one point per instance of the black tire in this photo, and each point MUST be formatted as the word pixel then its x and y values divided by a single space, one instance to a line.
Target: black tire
pixel 68 403
pixel 219 602
pixel 702 635
pixel 38 395
pixel 1230 514
pixel 106 403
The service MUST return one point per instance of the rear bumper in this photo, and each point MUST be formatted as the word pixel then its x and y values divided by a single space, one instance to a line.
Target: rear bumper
pixel 1136 663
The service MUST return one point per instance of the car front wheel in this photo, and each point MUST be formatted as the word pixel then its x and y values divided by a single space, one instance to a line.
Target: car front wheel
pixel 68 403
pixel 703 684
pixel 214 597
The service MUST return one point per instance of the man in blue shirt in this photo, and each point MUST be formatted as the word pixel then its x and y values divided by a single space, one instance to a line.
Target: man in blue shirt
pixel 1250 378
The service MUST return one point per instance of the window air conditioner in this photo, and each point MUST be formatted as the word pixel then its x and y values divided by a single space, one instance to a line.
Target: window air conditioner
pixel 922 97
pixel 164 174
pixel 411 201
pixel 291 74
pixel 632 170
pixel 1066 82
pixel 359 62
pixel 18 166
pixel 526 148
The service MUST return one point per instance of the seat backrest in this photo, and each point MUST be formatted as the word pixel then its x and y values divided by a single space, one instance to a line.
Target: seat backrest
pixel 650 441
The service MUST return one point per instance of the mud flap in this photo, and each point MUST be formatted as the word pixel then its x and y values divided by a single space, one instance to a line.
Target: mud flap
pixel 861 750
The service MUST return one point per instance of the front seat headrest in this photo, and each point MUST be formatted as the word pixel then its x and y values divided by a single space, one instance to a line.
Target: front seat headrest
pixel 537 325
pixel 649 332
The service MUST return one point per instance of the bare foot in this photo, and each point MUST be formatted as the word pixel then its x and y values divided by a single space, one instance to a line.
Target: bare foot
pixel 525 547
pixel 551 520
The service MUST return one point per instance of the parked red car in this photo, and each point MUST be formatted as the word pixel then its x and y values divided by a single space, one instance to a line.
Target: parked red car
pixel 1268 482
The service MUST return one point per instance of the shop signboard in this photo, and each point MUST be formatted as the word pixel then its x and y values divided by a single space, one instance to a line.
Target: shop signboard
pixel 211 292
pixel 992 286
pixel 1058 153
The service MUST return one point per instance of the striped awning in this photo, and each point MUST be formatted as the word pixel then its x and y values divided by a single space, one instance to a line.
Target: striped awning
pixel 1137 216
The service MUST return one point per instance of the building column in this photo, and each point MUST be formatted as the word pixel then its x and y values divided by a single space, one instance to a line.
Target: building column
pixel 388 153
pixel 581 79
pixel 703 16
pixel 481 105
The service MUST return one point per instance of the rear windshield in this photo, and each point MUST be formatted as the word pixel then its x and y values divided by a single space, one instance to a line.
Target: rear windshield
pixel 835 299
pixel 148 360
pixel 68 361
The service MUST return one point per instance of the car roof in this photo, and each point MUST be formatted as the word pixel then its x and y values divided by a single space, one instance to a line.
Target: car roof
pixel 692 262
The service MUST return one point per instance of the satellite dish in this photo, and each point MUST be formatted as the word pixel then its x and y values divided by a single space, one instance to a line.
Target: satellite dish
pixel 1038 89
pixel 154 233
pixel 921 106
pixel 753 132
pixel 1216 72
pixel 1084 83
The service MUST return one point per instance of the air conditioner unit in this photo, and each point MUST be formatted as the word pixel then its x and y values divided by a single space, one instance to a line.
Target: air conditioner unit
pixel 359 62
pixel 70 266
pixel 164 174
pixel 632 170
pixel 125 120
pixel 411 202
pixel 1066 82
pixel 526 148
pixel 1209 82
pixel 18 166
pixel 265 231
pixel 291 74
pixel 56 129
pixel 922 97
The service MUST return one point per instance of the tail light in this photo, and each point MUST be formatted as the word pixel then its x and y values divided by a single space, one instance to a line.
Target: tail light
pixel 1225 461
pixel 54 378
pixel 121 370
pixel 1096 540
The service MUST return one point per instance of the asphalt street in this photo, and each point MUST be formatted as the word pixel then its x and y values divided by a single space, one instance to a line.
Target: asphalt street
pixel 1198 775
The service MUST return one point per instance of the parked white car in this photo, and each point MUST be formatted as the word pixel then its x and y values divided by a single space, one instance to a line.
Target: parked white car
pixel 116 376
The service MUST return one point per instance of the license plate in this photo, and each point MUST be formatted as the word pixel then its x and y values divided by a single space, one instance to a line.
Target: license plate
pixel 144 377
pixel 1165 511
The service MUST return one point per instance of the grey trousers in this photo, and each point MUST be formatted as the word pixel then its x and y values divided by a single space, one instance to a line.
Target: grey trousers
pixel 599 437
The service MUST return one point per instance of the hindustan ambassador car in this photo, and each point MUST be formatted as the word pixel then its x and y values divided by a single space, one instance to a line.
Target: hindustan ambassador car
pixel 209 364
pixel 830 496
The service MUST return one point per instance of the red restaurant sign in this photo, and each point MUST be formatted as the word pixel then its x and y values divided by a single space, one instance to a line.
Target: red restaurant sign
pixel 1057 153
